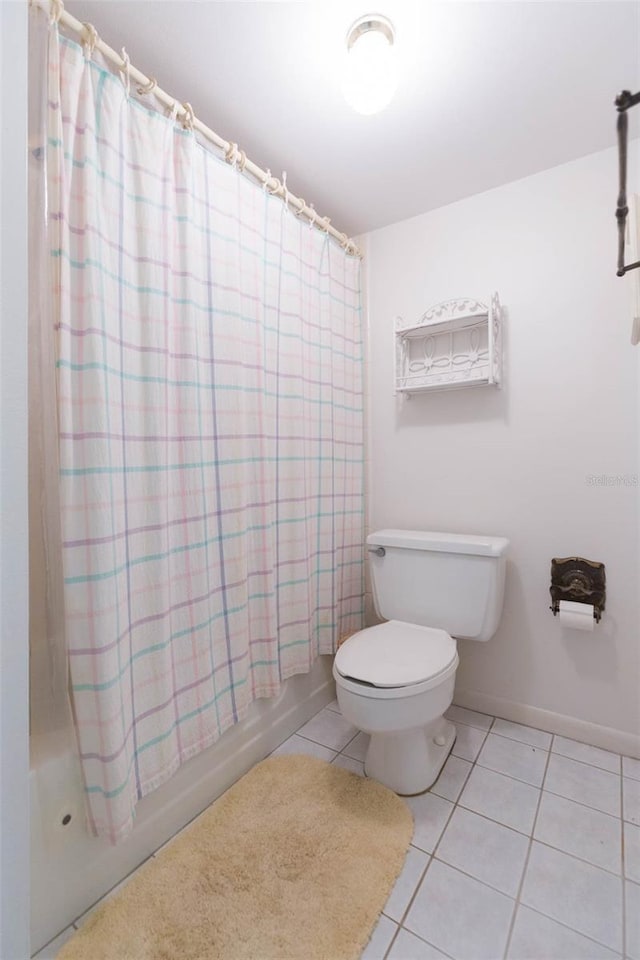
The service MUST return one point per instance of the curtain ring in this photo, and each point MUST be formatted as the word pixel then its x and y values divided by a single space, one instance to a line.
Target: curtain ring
pixel 285 194
pixel 56 9
pixel 266 181
pixel 325 221
pixel 125 74
pixel 148 87
pixel 235 156
pixel 347 244
pixel 277 186
pixel 173 112
pixel 300 211
pixel 89 39
pixel 189 116
pixel 231 153
pixel 313 216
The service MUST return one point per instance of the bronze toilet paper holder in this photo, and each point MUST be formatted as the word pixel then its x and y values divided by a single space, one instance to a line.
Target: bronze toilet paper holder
pixel 579 580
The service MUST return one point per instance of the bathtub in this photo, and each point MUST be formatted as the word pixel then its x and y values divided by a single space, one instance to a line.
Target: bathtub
pixel 71 870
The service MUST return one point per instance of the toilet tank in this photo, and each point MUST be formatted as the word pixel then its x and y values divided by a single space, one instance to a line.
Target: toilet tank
pixel 446 580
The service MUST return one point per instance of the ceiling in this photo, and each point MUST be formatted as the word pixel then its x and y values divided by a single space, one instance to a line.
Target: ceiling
pixel 489 91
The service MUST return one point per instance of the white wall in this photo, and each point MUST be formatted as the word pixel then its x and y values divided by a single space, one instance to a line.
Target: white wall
pixel 515 462
pixel 14 639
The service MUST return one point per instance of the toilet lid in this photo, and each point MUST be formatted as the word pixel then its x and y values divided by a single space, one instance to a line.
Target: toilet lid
pixel 395 654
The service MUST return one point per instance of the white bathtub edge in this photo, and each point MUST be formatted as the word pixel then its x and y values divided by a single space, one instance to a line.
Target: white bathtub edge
pixel 70 872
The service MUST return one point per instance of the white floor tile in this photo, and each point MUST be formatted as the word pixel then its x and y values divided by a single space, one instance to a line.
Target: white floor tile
pixel 584 783
pixel 485 850
pixel 452 777
pixel 501 798
pixel 631 800
pixel 456 912
pixel 471 717
pixel 49 952
pixel 357 748
pixel 296 744
pixel 405 886
pixel 577 894
pixel 348 763
pixel 468 742
pixel 380 939
pixel 335 706
pixel 430 815
pixel 581 831
pixel 538 938
pixel 407 946
pixel 631 768
pixel 330 729
pixel 514 759
pixel 587 754
pixel 517 731
pixel 460 916
pixel 632 852
pixel 632 895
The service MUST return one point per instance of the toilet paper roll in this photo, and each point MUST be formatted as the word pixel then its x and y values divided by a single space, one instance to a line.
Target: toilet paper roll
pixel 577 616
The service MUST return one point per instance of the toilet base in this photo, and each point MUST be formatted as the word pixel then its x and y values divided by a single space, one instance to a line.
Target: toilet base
pixel 409 762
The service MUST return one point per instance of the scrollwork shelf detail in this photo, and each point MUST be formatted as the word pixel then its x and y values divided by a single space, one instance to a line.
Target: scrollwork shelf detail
pixel 454 344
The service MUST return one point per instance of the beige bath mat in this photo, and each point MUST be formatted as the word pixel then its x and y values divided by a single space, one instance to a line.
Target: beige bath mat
pixel 294 862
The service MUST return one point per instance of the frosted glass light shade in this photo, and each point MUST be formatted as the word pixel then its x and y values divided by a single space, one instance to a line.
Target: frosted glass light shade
pixel 370 77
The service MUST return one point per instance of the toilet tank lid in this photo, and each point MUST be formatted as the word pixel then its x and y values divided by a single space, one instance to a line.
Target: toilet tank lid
pixel 440 542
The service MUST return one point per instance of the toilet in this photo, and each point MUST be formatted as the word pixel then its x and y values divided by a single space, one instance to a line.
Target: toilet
pixel 394 681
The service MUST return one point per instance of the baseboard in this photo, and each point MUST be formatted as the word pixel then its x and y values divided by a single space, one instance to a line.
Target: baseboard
pixel 620 741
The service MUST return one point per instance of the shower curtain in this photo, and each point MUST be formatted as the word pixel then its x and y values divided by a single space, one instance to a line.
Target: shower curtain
pixel 209 397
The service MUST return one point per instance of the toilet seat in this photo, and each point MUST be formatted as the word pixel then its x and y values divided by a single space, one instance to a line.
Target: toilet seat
pixel 395 659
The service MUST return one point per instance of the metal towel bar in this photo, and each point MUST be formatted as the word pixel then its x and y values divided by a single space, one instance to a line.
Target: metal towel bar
pixel 624 101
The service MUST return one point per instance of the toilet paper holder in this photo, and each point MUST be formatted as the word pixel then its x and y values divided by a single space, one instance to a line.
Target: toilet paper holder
pixel 580 580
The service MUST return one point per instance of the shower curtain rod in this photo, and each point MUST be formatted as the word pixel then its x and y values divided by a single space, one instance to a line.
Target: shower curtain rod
pixel 232 153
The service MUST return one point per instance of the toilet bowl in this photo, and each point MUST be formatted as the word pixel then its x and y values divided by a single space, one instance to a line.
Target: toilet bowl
pixel 395 680
pixel 399 701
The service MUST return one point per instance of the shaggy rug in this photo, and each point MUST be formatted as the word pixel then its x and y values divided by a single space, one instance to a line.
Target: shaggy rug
pixel 294 862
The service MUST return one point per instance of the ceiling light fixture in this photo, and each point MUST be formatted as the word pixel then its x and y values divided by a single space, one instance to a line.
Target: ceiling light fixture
pixel 370 77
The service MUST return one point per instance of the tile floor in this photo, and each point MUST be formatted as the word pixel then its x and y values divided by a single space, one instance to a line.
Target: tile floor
pixel 527 847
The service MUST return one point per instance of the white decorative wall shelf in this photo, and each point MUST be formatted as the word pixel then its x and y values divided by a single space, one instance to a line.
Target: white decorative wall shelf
pixel 457 343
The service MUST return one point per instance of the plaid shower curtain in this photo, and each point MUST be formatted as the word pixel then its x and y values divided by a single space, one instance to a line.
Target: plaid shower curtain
pixel 209 402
